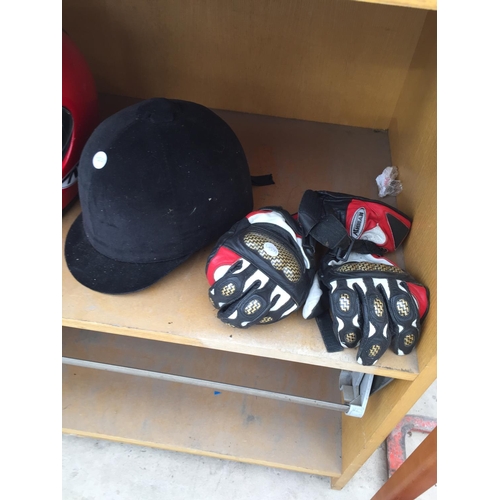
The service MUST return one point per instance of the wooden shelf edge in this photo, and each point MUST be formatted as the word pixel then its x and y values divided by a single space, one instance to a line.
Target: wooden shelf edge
pixel 328 362
pixel 119 439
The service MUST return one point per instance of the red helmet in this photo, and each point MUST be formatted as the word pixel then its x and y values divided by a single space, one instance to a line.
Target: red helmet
pixel 80 114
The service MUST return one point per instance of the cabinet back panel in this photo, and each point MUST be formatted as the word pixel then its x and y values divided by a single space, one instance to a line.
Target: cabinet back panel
pixel 331 61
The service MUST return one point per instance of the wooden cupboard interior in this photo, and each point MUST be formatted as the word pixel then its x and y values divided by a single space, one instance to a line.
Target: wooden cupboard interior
pixel 323 94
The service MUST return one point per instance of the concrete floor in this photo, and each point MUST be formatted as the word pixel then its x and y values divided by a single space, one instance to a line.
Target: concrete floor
pixel 101 470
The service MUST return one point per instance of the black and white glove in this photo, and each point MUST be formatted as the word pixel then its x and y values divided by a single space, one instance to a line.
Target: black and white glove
pixel 261 270
pixel 369 303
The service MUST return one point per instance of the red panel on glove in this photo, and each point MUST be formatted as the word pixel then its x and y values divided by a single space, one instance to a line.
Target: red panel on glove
pixel 224 257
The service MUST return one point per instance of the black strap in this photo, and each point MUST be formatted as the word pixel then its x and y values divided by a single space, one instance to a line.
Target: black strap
pixel 329 231
pixel 379 382
pixel 311 210
pixel 325 325
pixel 262 180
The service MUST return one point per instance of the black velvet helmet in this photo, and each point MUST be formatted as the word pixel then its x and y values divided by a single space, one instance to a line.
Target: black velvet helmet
pixel 158 181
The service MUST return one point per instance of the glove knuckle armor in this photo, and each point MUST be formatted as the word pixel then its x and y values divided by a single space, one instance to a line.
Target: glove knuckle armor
pixel 278 275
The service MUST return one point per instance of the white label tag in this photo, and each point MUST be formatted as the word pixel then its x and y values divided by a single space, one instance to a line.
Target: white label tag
pixel 358 223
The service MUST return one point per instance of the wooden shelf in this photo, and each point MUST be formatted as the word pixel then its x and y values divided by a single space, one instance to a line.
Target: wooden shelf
pixel 199 420
pixel 177 309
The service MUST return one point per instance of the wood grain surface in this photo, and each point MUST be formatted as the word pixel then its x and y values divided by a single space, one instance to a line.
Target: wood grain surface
pixel 199 420
pixel 333 61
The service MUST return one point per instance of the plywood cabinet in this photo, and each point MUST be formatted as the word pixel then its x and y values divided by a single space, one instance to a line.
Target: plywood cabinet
pixel 323 95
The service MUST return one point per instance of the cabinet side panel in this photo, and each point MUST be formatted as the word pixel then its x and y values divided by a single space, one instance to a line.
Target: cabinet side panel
pixel 413 142
pixel 413 138
pixel 321 60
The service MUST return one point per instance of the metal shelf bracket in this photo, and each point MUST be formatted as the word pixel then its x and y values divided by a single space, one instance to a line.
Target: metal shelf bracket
pixel 356 389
